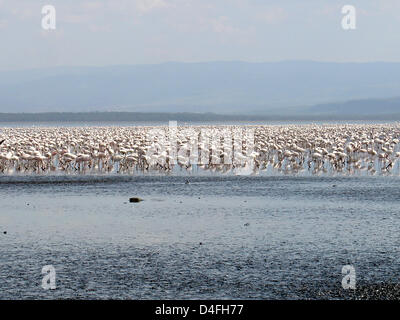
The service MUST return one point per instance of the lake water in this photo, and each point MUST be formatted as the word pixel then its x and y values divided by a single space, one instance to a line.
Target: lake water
pixel 236 237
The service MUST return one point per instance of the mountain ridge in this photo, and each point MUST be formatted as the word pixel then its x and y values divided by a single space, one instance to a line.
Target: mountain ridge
pixel 220 87
pixel 370 109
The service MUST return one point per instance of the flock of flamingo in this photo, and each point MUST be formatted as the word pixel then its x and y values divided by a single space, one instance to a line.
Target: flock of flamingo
pixel 290 149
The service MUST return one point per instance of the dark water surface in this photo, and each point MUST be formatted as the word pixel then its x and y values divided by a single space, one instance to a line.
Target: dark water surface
pixel 216 237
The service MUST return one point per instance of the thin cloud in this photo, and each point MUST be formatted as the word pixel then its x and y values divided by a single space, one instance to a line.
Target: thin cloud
pixel 273 15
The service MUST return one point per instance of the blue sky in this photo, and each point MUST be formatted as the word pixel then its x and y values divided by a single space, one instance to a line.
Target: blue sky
pixel 113 32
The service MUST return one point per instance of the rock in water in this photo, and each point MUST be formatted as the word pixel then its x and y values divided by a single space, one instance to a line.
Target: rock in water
pixel 135 199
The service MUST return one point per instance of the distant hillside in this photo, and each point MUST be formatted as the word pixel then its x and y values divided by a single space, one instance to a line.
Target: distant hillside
pixel 219 87
pixel 356 107
pixel 385 110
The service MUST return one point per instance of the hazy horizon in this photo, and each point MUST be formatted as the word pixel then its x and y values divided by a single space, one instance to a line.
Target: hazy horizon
pixel 195 56
pixel 193 62
pixel 219 87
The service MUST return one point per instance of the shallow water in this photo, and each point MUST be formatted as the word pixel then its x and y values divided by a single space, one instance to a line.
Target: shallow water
pixel 261 237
